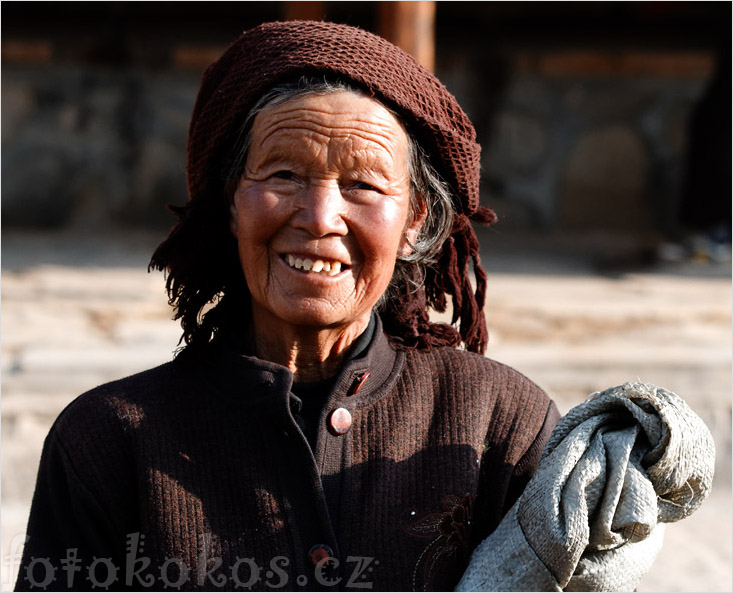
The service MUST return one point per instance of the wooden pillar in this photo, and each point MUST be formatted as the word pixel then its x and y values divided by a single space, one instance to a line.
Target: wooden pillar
pixel 411 26
pixel 304 11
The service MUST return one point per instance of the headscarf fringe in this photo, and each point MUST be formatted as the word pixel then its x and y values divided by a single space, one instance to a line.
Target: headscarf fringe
pixel 409 325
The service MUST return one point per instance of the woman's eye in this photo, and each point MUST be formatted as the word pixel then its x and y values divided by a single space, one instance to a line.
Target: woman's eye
pixel 284 175
pixel 364 186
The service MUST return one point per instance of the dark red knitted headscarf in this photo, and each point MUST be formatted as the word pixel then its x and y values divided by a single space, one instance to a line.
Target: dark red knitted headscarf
pixel 275 52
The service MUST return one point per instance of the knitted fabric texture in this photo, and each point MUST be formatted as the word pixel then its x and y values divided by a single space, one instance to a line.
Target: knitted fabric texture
pixel 614 469
pixel 276 52
pixel 211 448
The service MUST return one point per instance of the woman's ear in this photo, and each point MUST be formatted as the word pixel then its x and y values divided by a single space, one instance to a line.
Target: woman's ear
pixel 413 228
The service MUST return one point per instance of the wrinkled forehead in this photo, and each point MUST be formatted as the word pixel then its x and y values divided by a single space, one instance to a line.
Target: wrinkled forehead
pixel 347 121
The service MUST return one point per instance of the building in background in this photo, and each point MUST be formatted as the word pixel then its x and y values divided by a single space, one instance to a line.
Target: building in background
pixel 582 108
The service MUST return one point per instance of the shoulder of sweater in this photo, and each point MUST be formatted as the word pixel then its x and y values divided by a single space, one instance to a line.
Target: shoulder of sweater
pixel 118 403
pixel 91 440
pixel 451 360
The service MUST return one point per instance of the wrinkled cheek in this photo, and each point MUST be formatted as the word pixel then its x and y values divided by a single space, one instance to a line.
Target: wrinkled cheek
pixel 371 286
pixel 255 265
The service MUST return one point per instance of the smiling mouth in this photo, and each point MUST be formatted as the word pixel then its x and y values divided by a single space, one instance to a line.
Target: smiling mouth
pixel 318 266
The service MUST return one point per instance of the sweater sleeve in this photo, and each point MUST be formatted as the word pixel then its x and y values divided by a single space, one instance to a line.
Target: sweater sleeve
pixel 68 530
pixel 525 469
pixel 521 423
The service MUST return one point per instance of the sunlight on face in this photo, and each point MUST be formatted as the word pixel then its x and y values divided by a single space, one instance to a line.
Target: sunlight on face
pixel 321 211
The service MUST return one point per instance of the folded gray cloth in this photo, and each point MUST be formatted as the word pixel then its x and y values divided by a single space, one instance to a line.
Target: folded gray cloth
pixel 617 466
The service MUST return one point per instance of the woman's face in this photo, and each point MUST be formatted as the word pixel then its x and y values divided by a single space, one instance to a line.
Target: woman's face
pixel 321 211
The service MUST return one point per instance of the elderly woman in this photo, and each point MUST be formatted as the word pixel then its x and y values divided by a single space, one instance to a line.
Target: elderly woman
pixel 317 431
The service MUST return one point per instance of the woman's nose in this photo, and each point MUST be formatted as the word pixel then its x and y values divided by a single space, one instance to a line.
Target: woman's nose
pixel 321 210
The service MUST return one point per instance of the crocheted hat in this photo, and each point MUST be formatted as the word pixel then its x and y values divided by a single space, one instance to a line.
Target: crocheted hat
pixel 272 53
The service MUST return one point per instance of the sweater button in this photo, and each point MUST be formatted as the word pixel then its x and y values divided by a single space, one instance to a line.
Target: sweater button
pixel 319 553
pixel 340 421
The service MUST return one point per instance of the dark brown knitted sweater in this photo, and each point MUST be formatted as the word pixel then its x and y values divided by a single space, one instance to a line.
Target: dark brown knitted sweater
pixel 195 474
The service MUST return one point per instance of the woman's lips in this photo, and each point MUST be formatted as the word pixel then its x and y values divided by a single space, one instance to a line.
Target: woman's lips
pixel 314 266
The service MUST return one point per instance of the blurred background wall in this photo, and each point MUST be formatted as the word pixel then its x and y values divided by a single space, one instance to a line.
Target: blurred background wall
pixel 583 109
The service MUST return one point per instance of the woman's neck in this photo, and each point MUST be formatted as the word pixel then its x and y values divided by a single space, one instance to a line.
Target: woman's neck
pixel 311 353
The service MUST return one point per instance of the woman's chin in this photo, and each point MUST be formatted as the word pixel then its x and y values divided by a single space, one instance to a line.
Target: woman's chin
pixel 302 314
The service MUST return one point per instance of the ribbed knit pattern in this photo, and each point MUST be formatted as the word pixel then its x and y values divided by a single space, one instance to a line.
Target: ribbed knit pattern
pixel 439 441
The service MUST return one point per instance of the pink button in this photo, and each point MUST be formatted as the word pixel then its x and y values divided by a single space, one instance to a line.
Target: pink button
pixel 340 421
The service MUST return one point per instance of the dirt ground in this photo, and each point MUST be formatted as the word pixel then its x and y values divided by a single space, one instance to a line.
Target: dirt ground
pixel 78 310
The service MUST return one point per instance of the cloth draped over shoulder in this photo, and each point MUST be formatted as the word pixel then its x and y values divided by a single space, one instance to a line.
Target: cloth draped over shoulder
pixel 614 469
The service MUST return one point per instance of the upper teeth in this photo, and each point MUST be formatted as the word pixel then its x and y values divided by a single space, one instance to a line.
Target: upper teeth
pixel 319 266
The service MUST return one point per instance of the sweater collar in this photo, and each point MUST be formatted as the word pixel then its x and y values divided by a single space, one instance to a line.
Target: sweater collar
pixel 252 382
